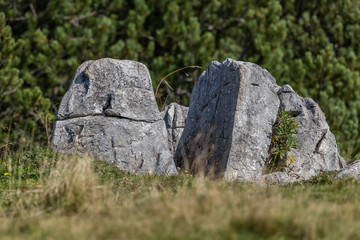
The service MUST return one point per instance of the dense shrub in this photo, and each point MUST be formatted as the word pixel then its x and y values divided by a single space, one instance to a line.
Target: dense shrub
pixel 311 45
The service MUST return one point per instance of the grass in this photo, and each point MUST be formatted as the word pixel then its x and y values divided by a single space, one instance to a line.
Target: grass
pixel 48 196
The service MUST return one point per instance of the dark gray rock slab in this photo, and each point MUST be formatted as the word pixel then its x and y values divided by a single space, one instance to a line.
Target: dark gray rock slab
pixel 174 117
pixel 351 170
pixel 110 112
pixel 229 125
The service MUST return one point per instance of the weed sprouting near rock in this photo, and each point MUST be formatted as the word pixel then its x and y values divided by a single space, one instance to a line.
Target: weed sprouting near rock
pixel 283 140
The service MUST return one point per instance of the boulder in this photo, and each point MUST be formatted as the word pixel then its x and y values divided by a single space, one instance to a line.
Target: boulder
pixel 351 170
pixel 174 117
pixel 229 125
pixel 110 112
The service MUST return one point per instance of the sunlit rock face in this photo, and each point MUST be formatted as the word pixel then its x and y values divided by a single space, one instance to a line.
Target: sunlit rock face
pixel 110 112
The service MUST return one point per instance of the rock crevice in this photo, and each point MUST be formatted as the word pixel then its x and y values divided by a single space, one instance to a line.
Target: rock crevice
pixel 111 116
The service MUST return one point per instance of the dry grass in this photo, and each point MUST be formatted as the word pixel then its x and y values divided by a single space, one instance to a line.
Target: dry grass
pixel 77 198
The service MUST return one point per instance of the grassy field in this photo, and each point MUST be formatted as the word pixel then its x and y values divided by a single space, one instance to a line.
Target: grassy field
pixel 45 196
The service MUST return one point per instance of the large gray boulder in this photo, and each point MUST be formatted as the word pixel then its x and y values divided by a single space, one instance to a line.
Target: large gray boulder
pixel 229 126
pixel 351 170
pixel 110 112
pixel 174 117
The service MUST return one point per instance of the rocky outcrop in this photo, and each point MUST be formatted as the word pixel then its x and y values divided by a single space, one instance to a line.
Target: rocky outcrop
pixel 110 112
pixel 174 117
pixel 229 127
pixel 351 170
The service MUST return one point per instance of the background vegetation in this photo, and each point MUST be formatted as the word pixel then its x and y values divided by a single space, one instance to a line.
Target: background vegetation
pixel 311 45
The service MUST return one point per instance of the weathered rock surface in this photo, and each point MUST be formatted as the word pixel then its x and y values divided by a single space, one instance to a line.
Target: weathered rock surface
pixel 174 117
pixel 118 88
pixel 351 170
pixel 229 125
pixel 110 112
pixel 317 149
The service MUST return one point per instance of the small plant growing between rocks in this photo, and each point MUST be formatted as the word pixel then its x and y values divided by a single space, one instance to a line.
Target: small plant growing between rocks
pixel 283 140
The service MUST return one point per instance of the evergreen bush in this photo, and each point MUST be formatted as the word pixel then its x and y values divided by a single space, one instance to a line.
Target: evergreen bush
pixel 311 45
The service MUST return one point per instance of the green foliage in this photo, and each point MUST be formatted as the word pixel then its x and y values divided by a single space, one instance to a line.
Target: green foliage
pixel 283 140
pixel 24 111
pixel 311 45
pixel 25 166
